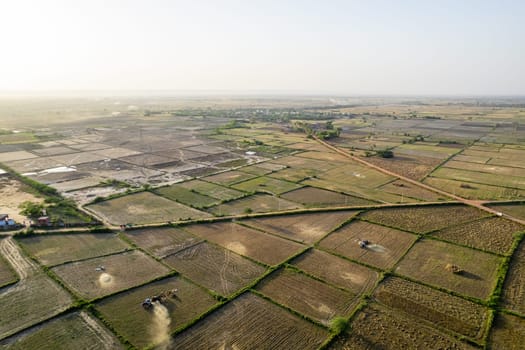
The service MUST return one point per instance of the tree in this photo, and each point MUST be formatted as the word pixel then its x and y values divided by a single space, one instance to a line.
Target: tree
pixel 386 153
pixel 31 209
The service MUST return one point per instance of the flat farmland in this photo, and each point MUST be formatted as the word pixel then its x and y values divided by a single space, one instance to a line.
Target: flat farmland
pixel 307 163
pixel 408 191
pixel 163 241
pixel 185 196
pixel 308 296
pixel 55 249
pixel 422 219
pixel 387 245
pixel 16 155
pixel 425 150
pixel 492 234
pixel 7 274
pixel 268 249
pixel 356 175
pixel 126 315
pixel 250 322
pixel 229 177
pixel 486 168
pixel 414 167
pixel 482 178
pixel 266 184
pixel 308 228
pixel 507 333
pixel 257 170
pixel 143 207
pixel 121 271
pixel 215 268
pixel 427 262
pixel 339 272
pixel 318 197
pixel 294 174
pixel 438 308
pixel 474 190
pixel 377 327
pixel 212 190
pixel 513 295
pixel 513 209
pixel 326 156
pixel 73 331
pixel 33 164
pixel 258 203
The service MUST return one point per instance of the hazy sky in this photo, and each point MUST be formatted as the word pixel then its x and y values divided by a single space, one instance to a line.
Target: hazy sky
pixel 343 47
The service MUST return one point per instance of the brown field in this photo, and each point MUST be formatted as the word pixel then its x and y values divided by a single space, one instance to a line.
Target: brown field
pixel 258 203
pixel 304 228
pixel 250 322
pixel 122 271
pixel 408 191
pixel 212 190
pixel 507 333
pixel 229 177
pixel 377 327
pixel 163 241
pixel 513 295
pixel 413 167
pixel 144 207
pixel 424 219
pixel 77 330
pixel 308 296
pixel 386 247
pixel 326 156
pixel 306 163
pixel 245 241
pixel 427 261
pixel 317 197
pixel 438 308
pixel 215 268
pixel 340 272
pixel 491 234
pixel 7 275
pixel 14 193
pixel 125 313
pixel 55 249
pixel 516 210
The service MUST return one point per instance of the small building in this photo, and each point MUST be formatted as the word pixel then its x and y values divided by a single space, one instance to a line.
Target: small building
pixel 6 222
pixel 43 221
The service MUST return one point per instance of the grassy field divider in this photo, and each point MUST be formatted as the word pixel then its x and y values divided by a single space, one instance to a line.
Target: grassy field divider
pixel 127 240
pixel 339 226
pixel 442 163
pixel 95 313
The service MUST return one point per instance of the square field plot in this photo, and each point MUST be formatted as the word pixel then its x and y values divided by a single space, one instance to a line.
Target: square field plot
pixel 144 207
pixel 142 327
pixel 514 288
pixel 121 271
pixel 440 309
pixel 258 203
pixel 72 331
pixel 250 322
pixel 7 274
pixel 308 296
pixel 55 249
pixel 377 327
pixel 215 268
pixel 386 245
pixel 266 184
pixel 185 196
pixel 490 234
pixel 212 190
pixel 245 241
pixel 507 333
pixel 229 177
pixel 422 219
pixel 317 197
pixel 429 261
pixel 307 228
pixel 16 155
pixel 162 242
pixel 337 271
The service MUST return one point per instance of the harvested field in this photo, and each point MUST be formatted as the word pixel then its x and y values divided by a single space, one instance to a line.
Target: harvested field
pixel 308 296
pixel 116 152
pixel 185 196
pixel 266 184
pixel 386 245
pixel 507 333
pixel 72 331
pixel 427 262
pixel 121 271
pixel 55 249
pixel 295 174
pixel 215 268
pixel 7 275
pixel 513 209
pixel 513 295
pixel 256 170
pixel 481 178
pixel 413 167
pixel 377 327
pixel 422 219
pixel 15 155
pixel 408 191
pixel 326 156
pixel 33 299
pixel 438 308
pixel 229 177
pixel 143 207
pixel 258 203
pixel 340 272
pixel 163 241
pixel 474 190
pixel 306 163
pixel 245 241
pixel 250 322
pixel 32 165
pixel 212 190
pixel 77 184
pixel 317 197
pixel 492 234
pixel 486 168
pixel 142 327
pixel 53 151
pixel 307 228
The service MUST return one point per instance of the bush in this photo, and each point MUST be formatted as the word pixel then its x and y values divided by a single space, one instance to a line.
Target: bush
pixel 338 325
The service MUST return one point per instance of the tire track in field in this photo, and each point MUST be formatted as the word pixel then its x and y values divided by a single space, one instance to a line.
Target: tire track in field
pixel 102 334
pixel 22 265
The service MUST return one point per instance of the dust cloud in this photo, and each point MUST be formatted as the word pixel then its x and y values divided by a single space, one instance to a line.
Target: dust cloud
pixel 160 327
pixel 105 280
